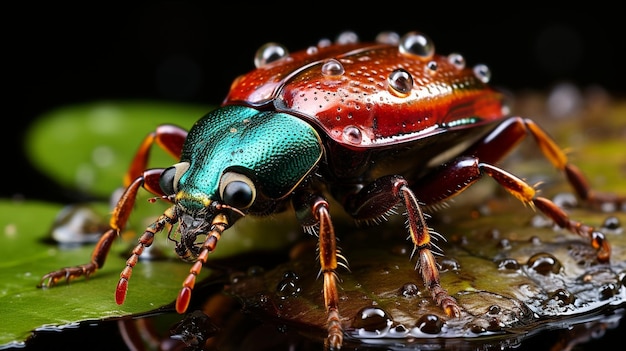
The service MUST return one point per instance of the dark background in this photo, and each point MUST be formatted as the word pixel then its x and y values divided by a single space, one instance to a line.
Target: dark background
pixel 187 51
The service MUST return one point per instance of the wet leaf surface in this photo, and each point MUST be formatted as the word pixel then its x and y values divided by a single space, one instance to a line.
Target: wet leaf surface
pixel 514 275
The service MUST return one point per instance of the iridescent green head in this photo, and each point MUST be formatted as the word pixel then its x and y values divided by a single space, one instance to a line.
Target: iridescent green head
pixel 238 158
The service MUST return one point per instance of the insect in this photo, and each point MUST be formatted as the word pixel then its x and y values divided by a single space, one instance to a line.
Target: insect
pixel 375 126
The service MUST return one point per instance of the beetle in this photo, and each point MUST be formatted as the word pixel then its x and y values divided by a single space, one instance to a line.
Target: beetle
pixel 375 126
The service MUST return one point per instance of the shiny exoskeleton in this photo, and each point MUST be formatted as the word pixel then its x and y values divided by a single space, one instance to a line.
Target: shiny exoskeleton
pixel 374 125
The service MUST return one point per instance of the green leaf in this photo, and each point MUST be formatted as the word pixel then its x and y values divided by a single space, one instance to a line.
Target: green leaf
pixel 90 147
pixel 26 258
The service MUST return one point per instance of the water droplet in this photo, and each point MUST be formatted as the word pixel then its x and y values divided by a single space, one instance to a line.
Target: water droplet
pixel 288 286
pixel 418 45
pixel 505 244
pixel 391 38
pixel 563 297
pixel 432 66
pixel 332 67
pixel 494 309
pixel 507 263
pixel 494 325
pixel 457 60
pixel 372 321
pixel 400 82
pixel 608 291
pixel 409 290
pixel 477 329
pixel 483 73
pixel 612 223
pixel 324 42
pixel 255 271
pixel 269 53
pixel 77 225
pixel 565 200
pixel 449 264
pixel 429 324
pixel 535 240
pixel 237 277
pixel 347 37
pixel 352 135
pixel 312 50
pixel 544 264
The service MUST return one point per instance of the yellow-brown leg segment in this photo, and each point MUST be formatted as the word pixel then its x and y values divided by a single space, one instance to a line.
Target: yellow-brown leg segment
pixel 169 137
pixel 145 241
pixel 219 225
pixel 377 199
pixel 496 144
pixel 97 261
pixel 328 264
pixel 526 194
pixel 120 215
pixel 312 209
pixel 422 242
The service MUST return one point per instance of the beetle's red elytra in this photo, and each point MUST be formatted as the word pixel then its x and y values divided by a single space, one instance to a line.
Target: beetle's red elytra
pixel 373 125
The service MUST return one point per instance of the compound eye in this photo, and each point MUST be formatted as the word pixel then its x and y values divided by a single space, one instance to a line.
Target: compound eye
pixel 237 190
pixel 170 177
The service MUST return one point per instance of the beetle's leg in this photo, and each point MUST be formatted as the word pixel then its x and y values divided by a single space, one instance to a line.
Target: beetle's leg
pixel 145 240
pixel 460 173
pixel 218 226
pixel 313 209
pixel 501 140
pixel 379 198
pixel 121 212
pixel 169 137
pixel 97 260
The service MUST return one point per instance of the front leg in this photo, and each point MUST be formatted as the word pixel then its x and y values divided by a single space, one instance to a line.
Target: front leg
pixel 379 198
pixel 149 180
pixel 312 210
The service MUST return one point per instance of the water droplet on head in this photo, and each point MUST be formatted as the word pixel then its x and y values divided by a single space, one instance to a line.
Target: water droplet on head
pixel 400 83
pixel 429 324
pixel 483 73
pixel 418 45
pixel 332 67
pixel 269 53
pixel 457 60
pixel 544 264
pixel 352 135
pixel 372 321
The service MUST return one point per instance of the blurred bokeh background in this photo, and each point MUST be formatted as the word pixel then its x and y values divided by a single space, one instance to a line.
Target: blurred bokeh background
pixel 190 51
